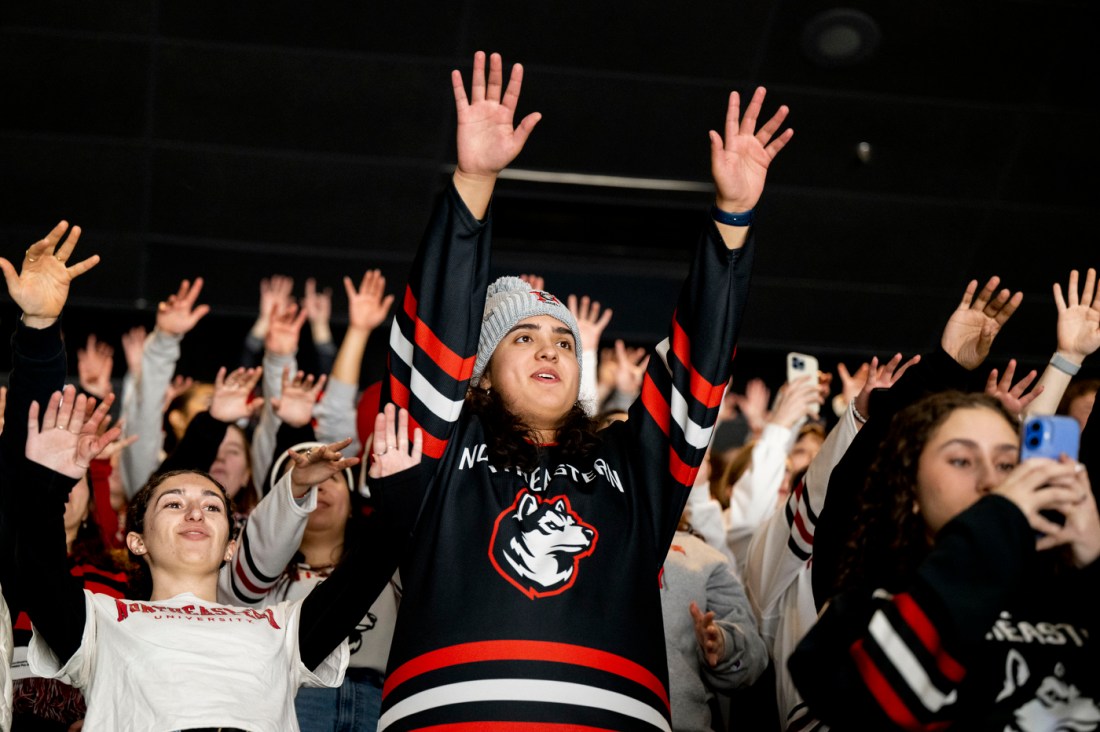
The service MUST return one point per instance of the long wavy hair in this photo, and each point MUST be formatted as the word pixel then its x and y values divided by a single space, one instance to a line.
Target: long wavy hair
pixel 514 444
pixel 141 582
pixel 890 539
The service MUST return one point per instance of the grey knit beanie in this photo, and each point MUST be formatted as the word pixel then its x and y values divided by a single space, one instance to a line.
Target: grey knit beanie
pixel 508 301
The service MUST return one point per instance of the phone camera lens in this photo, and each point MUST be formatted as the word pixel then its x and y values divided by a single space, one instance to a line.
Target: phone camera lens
pixel 1033 441
pixel 1034 427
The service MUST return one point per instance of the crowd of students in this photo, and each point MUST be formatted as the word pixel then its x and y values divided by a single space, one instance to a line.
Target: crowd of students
pixel 519 529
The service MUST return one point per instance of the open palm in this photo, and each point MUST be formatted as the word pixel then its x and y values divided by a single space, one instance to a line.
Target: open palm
pixel 487 138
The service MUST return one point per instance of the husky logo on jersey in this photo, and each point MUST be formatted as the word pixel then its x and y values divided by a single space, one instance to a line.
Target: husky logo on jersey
pixel 1054 703
pixel 538 544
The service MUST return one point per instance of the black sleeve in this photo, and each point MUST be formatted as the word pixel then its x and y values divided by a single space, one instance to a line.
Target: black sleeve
pixel 936 372
pixel 199 446
pixel 38 370
pixel 56 606
pixel 333 608
pixel 855 668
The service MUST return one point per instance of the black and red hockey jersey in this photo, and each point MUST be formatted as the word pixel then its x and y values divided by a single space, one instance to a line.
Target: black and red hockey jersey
pixel 532 598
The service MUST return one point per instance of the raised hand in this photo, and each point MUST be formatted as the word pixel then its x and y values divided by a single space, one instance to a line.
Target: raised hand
pixel 179 385
pixel 41 288
pixel 739 161
pixel 487 139
pixel 977 321
pixel 3 406
pixel 709 636
pixel 368 306
pixel 590 322
pixel 389 445
pixel 796 400
pixel 94 364
pixel 754 404
pixel 536 282
pixel 1078 318
pixel 133 348
pixel 285 329
pixel 318 308
pixel 318 464
pixel 69 439
pixel 298 396
pixel 881 377
pixel 231 394
pixel 178 314
pixel 1012 397
pixel 852 384
pixel 274 292
pixel 631 364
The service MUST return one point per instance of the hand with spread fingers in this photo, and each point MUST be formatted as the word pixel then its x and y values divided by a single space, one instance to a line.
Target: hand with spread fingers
pixel 1078 318
pixel 41 287
pixel 710 637
pixel 368 305
pixel 94 364
pixel 977 320
pixel 881 377
pixel 1011 395
pixel 318 464
pixel 285 329
pixel 590 320
pixel 488 139
pixel 739 160
pixel 179 314
pixel 231 394
pixel 69 438
pixel 389 446
pixel 298 396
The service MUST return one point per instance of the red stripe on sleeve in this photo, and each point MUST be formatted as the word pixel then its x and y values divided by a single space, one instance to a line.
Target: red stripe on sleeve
pixel 683 473
pixel 433 446
pixel 881 690
pixel 656 404
pixel 248 585
pixel 703 391
pixel 916 619
pixel 806 535
pixel 457 368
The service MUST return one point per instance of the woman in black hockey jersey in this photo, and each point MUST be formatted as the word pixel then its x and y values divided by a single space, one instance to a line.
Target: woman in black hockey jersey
pixel 951 610
pixel 531 592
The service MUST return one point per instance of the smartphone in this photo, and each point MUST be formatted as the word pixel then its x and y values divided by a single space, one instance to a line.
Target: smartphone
pixel 800 365
pixel 1050 437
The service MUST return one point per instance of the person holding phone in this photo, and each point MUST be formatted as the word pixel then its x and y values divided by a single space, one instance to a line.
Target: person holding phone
pixel 948 608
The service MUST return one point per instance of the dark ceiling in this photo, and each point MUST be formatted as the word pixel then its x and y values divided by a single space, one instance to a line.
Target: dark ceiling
pixel 234 140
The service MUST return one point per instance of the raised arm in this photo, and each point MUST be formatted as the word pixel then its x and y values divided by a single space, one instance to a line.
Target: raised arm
pixel 434 337
pixel 1078 338
pixel 58 454
pixel 683 388
pixel 177 315
pixel 40 289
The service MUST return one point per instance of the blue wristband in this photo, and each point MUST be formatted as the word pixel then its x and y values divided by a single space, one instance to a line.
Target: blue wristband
pixel 744 218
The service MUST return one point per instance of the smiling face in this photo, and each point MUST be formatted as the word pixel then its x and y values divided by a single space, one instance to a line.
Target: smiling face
pixel 966 457
pixel 185 528
pixel 536 373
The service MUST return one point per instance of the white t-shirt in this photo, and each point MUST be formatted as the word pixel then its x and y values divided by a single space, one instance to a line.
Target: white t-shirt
pixel 184 662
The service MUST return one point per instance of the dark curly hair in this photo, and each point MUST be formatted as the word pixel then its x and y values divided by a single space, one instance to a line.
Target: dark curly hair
pixel 514 444
pixel 141 584
pixel 890 540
